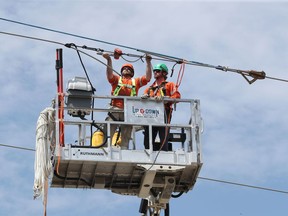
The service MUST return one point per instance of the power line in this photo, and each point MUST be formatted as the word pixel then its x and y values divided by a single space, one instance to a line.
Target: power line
pixel 66 33
pixel 32 38
pixel 250 73
pixel 243 185
pixel 55 42
pixel 277 79
pixel 17 147
pixel 199 177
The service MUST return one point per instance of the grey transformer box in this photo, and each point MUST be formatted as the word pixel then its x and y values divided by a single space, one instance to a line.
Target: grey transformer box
pixel 79 100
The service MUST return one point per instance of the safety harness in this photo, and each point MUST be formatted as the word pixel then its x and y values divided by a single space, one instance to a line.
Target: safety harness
pixel 160 88
pixel 121 85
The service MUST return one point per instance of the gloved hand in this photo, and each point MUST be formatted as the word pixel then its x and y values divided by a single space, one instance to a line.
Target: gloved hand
pixel 158 98
pixel 145 96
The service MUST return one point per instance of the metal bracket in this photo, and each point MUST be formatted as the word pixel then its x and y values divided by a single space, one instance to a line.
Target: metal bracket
pixel 255 74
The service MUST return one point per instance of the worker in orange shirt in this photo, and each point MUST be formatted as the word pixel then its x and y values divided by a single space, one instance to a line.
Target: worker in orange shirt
pixel 124 85
pixel 158 90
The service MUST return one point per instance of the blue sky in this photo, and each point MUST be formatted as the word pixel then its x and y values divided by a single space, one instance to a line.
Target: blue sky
pixel 245 137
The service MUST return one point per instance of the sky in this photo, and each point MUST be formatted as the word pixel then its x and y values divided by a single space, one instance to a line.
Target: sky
pixel 245 126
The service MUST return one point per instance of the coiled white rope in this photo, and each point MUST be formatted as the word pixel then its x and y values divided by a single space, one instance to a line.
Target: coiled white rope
pixel 45 145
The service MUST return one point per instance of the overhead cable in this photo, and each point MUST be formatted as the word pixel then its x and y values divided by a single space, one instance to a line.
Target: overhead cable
pixel 243 185
pixel 66 33
pixel 17 147
pixel 250 73
pixel 55 42
pixel 199 177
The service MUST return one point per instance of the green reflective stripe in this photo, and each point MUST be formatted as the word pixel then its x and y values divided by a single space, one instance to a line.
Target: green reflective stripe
pixel 133 90
pixel 117 89
pixel 120 85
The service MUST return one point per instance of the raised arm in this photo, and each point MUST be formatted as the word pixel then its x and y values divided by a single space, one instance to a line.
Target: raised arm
pixel 148 67
pixel 109 70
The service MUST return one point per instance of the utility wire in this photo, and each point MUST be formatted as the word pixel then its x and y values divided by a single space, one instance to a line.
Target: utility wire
pixel 66 33
pixel 33 38
pixel 277 79
pixel 172 58
pixel 55 42
pixel 251 73
pixel 243 185
pixel 17 147
pixel 202 178
pixel 254 74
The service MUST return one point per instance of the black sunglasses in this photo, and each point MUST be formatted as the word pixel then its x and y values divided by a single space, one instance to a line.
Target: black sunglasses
pixel 156 71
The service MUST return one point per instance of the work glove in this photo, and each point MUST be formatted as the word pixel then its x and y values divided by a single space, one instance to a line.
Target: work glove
pixel 158 98
pixel 145 96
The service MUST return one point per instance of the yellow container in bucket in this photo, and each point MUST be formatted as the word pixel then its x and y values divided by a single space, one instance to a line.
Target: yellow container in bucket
pixel 97 138
pixel 116 141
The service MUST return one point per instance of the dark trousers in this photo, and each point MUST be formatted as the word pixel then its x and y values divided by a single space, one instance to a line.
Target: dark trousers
pixel 162 131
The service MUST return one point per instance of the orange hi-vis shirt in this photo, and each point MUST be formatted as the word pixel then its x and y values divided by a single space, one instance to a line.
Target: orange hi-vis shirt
pixel 168 89
pixel 125 91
